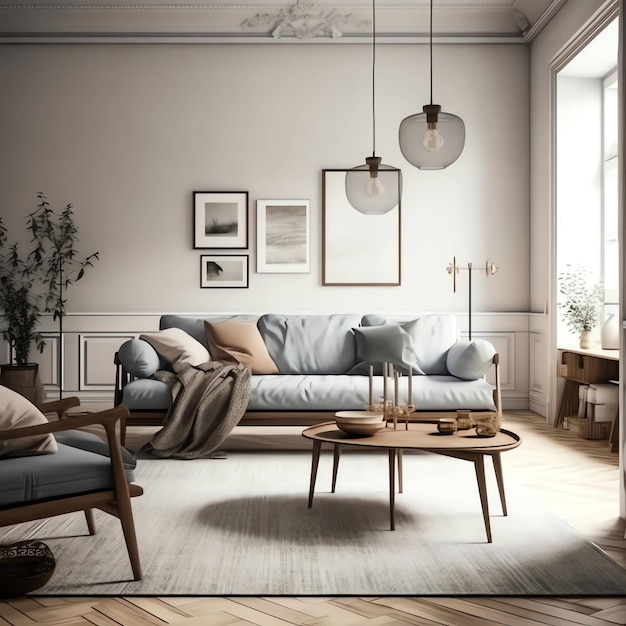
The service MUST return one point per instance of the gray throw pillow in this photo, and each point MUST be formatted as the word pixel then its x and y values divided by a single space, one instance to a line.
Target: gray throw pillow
pixel 139 358
pixel 389 343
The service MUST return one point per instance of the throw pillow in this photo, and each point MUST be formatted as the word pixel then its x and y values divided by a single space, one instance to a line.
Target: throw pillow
pixel 178 347
pixel 389 343
pixel 470 360
pixel 239 342
pixel 18 412
pixel 139 358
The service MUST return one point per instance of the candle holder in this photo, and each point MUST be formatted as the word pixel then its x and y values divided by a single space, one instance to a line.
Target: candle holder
pixel 391 409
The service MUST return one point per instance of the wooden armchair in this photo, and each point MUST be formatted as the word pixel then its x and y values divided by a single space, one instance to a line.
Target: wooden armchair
pixel 72 479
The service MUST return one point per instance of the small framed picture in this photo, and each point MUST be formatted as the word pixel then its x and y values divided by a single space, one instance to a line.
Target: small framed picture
pixel 283 236
pixel 220 219
pixel 226 271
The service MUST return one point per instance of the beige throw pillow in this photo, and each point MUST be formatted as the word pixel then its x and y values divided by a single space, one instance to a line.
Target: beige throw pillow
pixel 18 412
pixel 178 347
pixel 239 342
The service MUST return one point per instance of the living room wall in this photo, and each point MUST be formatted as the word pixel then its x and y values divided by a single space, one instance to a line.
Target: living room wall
pixel 126 133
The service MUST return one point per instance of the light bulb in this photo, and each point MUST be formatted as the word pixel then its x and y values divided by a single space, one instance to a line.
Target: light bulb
pixel 374 187
pixel 432 139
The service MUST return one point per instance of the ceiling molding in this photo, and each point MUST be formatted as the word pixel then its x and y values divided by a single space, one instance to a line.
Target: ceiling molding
pixel 454 20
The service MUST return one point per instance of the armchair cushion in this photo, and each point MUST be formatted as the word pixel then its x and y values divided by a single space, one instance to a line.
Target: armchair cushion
pixel 18 412
pixel 92 443
pixel 69 471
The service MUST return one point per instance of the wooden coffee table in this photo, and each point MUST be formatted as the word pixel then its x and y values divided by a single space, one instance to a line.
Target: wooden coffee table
pixel 463 445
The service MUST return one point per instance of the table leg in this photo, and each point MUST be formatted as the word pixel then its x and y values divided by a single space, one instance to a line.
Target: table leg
pixel 497 466
pixel 317 446
pixel 479 465
pixel 336 455
pixel 400 470
pixel 392 486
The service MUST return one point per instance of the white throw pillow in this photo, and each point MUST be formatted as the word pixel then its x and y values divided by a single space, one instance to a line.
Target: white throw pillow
pixel 178 347
pixel 18 412
pixel 470 360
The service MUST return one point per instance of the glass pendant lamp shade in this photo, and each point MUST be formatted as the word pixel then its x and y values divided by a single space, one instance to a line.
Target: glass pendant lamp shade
pixel 432 145
pixel 374 188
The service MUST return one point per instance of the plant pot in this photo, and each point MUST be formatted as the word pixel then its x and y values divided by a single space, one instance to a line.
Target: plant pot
pixel 585 339
pixel 24 379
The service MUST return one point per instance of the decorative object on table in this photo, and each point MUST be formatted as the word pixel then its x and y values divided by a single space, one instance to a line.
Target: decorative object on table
pixel 609 334
pixel 486 425
pixel 432 140
pixel 283 236
pixel 35 284
pixel 447 426
pixel 374 188
pixel 464 420
pixel 348 238
pixel 359 422
pixel 229 271
pixel 390 406
pixel 24 567
pixel 453 268
pixel 220 219
pixel 581 301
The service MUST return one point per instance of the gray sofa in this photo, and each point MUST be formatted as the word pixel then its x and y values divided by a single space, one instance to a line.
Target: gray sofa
pixel 321 364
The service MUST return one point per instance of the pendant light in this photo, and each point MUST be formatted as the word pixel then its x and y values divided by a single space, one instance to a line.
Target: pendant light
pixel 432 140
pixel 374 188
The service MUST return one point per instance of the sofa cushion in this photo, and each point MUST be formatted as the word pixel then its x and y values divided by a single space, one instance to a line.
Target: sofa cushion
pixel 389 343
pixel 239 342
pixel 433 336
pixel 346 393
pixel 69 471
pixel 18 412
pixel 310 344
pixel 147 394
pixel 470 360
pixel 194 325
pixel 139 358
pixel 177 346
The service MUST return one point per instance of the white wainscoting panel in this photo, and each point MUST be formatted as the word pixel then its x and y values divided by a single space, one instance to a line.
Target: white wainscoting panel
pixel 96 358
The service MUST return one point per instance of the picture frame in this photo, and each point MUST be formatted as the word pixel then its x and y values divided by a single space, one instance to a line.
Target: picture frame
pixel 357 249
pixel 225 271
pixel 283 236
pixel 220 219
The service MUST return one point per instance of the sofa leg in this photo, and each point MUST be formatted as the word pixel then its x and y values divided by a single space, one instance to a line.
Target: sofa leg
pixel 91 521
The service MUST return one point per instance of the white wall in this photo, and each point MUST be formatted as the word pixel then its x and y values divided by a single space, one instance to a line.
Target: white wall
pixel 126 132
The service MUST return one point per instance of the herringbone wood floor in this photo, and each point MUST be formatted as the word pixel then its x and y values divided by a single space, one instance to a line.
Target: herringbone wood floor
pixel 579 479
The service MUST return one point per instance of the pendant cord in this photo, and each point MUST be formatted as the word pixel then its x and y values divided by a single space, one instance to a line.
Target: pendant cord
pixel 373 77
pixel 431 51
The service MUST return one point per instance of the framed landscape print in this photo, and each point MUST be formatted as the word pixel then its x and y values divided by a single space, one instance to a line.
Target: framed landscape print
pixel 357 249
pixel 283 236
pixel 224 271
pixel 220 219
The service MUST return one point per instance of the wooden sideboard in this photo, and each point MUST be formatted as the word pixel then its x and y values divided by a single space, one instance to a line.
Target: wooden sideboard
pixel 586 367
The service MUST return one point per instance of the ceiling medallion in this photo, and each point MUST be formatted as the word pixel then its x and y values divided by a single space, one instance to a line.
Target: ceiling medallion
pixel 304 20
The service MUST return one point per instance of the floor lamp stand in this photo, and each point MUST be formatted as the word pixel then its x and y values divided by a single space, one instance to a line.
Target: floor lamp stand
pixel 454 268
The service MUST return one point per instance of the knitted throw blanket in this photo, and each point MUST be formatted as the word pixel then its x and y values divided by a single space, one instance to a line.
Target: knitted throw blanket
pixel 208 402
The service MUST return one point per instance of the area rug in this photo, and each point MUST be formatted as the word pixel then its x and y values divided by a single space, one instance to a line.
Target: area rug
pixel 241 526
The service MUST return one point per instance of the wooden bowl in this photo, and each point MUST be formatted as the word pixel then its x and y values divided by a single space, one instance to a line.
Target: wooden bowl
pixel 364 423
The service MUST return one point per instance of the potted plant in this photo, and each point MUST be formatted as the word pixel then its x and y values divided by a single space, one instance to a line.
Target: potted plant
pixel 20 310
pixel 37 283
pixel 581 306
